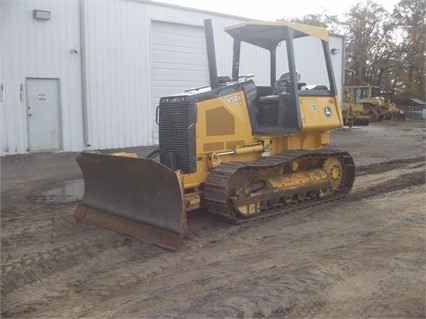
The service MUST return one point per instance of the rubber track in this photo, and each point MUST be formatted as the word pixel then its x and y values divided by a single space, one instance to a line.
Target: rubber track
pixel 217 187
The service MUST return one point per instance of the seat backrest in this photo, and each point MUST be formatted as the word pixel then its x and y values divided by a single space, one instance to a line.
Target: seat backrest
pixel 264 90
pixel 251 92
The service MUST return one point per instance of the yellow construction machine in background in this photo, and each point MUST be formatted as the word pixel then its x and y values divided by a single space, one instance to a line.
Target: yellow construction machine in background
pixel 365 103
pixel 354 115
pixel 234 148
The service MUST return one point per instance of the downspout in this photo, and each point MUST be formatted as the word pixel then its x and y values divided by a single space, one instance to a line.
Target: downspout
pixel 83 74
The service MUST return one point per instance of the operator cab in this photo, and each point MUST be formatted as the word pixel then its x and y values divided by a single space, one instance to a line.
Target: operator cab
pixel 275 109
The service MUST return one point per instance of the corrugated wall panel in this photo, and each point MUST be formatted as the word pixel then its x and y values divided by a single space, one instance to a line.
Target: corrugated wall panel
pixel 173 28
pixel 117 48
pixel 118 57
pixel 338 60
pixel 178 58
pixel 40 49
pixel 136 45
pixel 178 61
pixel 11 69
pixel 310 61
pixel 117 43
pixel 3 122
pixel 4 130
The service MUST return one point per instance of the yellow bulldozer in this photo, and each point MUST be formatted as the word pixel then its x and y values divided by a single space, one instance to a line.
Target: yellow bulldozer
pixel 354 115
pixel 367 102
pixel 234 149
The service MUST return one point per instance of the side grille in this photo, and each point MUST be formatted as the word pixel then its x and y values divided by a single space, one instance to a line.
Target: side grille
pixel 177 134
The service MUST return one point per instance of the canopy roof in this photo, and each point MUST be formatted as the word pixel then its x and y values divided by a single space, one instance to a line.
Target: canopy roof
pixel 268 35
pixel 418 101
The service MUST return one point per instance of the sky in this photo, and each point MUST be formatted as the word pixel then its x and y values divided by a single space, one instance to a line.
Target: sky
pixel 276 9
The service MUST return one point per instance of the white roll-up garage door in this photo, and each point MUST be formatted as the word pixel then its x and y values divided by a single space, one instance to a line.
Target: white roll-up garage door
pixel 178 61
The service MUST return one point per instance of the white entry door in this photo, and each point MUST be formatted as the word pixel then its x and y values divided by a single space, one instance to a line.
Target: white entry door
pixel 43 112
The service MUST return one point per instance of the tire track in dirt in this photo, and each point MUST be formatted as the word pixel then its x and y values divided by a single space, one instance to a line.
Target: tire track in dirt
pixel 28 268
pixel 223 273
pixel 90 271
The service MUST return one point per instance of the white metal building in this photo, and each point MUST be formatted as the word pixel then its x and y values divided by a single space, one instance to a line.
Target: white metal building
pixel 86 74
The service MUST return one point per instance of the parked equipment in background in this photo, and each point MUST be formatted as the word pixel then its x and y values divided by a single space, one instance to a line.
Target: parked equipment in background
pixel 235 149
pixel 375 102
pixel 354 115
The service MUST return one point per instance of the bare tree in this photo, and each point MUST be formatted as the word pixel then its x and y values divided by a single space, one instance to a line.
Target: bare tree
pixel 369 44
pixel 382 48
pixel 409 21
pixel 331 22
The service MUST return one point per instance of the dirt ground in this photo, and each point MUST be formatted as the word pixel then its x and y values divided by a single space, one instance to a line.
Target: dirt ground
pixel 360 257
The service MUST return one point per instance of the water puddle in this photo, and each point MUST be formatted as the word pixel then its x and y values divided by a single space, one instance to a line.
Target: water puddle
pixel 66 192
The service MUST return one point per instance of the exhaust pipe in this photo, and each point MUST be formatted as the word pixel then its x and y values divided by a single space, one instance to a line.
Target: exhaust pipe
pixel 211 55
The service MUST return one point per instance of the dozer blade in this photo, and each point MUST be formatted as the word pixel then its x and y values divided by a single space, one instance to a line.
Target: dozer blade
pixel 138 197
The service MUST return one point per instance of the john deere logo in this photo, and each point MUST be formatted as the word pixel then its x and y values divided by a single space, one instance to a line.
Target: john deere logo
pixel 327 111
